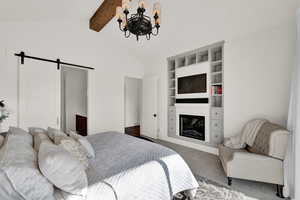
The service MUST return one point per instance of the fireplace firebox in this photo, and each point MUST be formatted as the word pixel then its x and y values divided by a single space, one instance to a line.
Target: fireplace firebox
pixel 192 126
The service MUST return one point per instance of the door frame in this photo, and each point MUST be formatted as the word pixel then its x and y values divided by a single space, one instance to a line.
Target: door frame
pixel 62 79
pixel 124 100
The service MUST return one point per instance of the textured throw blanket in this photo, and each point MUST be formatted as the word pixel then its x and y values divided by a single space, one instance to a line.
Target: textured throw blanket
pixel 247 137
pixel 263 145
pixel 128 168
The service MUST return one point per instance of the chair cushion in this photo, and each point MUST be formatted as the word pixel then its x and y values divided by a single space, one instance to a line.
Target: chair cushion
pixel 226 155
pixel 246 165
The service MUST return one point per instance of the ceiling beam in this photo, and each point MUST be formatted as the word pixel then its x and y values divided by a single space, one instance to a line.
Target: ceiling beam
pixel 104 14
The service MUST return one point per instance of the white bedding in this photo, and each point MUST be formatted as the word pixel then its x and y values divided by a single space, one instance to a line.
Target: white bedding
pixel 127 168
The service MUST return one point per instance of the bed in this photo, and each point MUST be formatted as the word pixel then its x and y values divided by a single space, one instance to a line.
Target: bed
pixel 129 168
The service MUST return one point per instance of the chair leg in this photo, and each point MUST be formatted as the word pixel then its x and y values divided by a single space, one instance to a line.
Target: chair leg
pixel 229 181
pixel 280 191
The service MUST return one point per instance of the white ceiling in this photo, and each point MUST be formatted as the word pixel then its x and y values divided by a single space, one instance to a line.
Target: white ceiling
pixel 185 24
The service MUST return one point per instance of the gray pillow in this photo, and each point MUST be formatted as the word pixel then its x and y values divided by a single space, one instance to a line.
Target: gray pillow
pixel 19 163
pixel 62 169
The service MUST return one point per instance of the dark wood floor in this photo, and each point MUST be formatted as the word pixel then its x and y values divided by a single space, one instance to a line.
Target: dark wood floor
pixel 133 131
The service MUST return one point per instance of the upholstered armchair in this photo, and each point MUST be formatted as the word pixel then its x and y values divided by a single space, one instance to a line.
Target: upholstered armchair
pixel 263 161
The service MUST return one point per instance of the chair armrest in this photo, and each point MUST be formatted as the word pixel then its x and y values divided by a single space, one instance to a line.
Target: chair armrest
pixel 251 166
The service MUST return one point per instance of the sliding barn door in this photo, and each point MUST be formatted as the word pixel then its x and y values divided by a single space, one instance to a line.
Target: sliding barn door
pixel 39 94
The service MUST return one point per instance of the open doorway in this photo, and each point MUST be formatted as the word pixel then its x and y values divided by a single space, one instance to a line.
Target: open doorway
pixel 74 100
pixel 133 105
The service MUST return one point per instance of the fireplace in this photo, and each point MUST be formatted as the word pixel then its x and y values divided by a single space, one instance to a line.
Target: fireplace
pixel 192 126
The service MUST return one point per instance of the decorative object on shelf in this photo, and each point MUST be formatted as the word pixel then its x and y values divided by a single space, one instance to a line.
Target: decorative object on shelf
pixel 138 24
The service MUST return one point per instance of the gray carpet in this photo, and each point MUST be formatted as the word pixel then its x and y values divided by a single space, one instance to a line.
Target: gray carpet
pixel 207 165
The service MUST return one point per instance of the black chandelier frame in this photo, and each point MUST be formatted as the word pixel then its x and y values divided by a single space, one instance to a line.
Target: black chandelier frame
pixel 139 24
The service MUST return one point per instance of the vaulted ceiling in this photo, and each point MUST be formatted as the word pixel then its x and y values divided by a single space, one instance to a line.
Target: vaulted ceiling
pixel 185 24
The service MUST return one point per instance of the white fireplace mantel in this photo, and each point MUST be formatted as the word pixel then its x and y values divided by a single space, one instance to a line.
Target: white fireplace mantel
pixel 198 110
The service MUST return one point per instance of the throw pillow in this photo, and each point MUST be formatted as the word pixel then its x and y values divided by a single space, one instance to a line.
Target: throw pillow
pixel 84 142
pixel 52 132
pixel 1 140
pixel 19 163
pixel 62 169
pixel 75 148
pixel 38 139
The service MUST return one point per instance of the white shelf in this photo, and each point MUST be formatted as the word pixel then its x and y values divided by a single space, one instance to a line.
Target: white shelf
pixel 216 73
pixel 217 95
pixel 216 62
pixel 214 84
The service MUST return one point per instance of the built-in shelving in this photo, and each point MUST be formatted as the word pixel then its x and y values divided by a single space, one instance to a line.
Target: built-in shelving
pixel 217 76
pixel 171 80
pixel 214 55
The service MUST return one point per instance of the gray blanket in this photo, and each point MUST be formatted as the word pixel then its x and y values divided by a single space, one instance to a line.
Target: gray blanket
pixel 128 168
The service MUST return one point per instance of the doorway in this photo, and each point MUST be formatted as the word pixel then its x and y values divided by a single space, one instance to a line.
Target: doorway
pixel 74 84
pixel 133 105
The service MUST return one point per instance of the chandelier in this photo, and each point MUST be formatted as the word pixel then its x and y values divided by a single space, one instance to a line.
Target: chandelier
pixel 138 24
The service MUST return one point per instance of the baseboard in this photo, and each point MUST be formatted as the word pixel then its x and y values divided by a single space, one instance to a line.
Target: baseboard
pixel 200 147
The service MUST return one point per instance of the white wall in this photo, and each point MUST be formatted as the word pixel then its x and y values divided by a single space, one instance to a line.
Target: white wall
pixel 257 78
pixel 133 94
pixel 72 42
pixel 75 95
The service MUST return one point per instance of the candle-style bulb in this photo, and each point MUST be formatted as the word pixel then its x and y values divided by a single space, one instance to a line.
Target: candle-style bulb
pixel 119 12
pixel 156 9
pixel 157 21
pixel 125 4
pixel 142 4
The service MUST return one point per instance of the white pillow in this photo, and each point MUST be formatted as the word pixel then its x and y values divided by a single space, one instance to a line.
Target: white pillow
pixel 52 132
pixel 36 130
pixel 62 169
pixel 1 140
pixel 85 143
pixel 7 192
pixel 38 139
pixel 22 135
pixel 73 147
pixel 19 163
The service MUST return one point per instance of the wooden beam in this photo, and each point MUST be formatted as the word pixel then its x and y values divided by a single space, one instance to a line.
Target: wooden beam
pixel 104 14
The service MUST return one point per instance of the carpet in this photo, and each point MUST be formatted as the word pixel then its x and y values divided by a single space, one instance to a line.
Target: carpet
pixel 210 190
